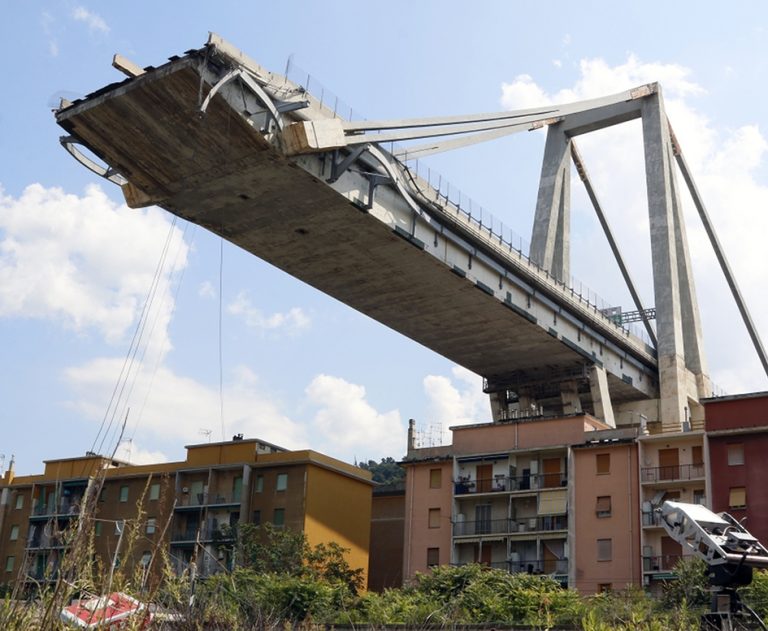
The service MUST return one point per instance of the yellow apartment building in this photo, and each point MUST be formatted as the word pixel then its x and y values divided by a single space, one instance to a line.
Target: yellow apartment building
pixel 189 506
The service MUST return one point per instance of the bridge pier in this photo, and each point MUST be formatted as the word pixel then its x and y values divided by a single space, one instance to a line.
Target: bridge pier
pixel 677 316
pixel 551 238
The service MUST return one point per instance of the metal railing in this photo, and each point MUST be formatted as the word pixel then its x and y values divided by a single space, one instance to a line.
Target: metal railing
pixel 651 519
pixel 557 567
pixel 206 534
pixel 546 523
pixel 672 473
pixel 661 563
pixel 501 484
pixel 206 499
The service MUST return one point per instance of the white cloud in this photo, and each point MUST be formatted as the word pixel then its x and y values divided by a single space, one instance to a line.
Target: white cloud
pixel 347 425
pixel 168 410
pixel 85 262
pixel 48 23
pixel 727 166
pixel 292 321
pixel 94 22
pixel 129 451
pixel 206 290
pixel 455 400
pixel 557 63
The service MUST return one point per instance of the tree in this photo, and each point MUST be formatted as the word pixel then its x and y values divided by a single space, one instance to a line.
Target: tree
pixel 385 472
pixel 269 550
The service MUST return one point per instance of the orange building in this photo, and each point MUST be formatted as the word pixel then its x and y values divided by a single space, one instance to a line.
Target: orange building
pixel 189 506
pixel 564 496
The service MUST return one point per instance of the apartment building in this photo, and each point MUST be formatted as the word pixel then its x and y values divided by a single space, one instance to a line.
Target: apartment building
pixel 737 440
pixel 564 496
pixel 189 506
pixel 500 495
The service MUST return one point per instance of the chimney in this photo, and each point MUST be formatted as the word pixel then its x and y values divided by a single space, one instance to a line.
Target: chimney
pixel 411 434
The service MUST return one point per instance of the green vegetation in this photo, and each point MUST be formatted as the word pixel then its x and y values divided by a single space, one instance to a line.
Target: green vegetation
pixel 385 472
pixel 280 581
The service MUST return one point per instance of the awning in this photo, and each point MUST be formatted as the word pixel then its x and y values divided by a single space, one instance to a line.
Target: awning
pixel 553 502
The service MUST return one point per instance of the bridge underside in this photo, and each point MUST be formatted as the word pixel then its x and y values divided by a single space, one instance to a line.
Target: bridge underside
pixel 220 172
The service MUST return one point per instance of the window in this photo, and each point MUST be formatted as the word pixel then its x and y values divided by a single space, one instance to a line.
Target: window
pixel 9 563
pixel 237 488
pixel 151 525
pixel 259 487
pixel 154 491
pixel 697 455
pixel 435 478
pixel 736 454
pixel 603 508
pixel 282 482
pixel 256 517
pixel 97 529
pixel 602 463
pixel 102 494
pixel 699 497
pixel 19 502
pixel 146 558
pixel 278 518
pixel 737 498
pixel 123 493
pixel 604 549
pixel 603 588
pixel 434 518
pixel 14 533
pixel 433 557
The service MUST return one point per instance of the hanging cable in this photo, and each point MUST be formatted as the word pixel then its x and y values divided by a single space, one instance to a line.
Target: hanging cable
pixel 106 427
pixel 221 352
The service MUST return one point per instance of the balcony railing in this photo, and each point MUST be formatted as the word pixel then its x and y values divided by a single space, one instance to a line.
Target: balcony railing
pixel 547 523
pixel 651 519
pixel 502 484
pixel 206 534
pixel 65 509
pixel 206 499
pixel 672 473
pixel 557 567
pixel 662 563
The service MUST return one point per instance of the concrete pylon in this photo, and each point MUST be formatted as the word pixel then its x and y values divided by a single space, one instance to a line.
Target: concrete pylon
pixel 677 317
pixel 601 398
pixel 550 238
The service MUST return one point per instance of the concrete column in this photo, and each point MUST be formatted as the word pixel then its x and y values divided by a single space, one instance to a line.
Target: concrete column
pixel 569 395
pixel 666 282
pixel 499 407
pixel 689 307
pixel 601 398
pixel 550 238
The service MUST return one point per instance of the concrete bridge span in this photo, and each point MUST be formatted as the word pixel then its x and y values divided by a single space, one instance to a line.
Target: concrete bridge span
pixel 216 139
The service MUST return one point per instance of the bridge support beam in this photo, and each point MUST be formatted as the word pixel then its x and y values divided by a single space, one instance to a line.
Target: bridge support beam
pixel 677 317
pixel 601 397
pixel 550 239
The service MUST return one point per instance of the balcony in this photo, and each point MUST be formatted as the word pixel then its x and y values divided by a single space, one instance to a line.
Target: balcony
pixel 662 563
pixel 206 535
pixel 555 567
pixel 672 473
pixel 651 520
pixel 547 523
pixel 66 509
pixel 189 501
pixel 506 484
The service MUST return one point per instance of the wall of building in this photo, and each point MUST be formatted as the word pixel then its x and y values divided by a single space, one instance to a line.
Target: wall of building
pixel 420 537
pixel 621 527
pixel 499 437
pixel 338 508
pixel 385 564
pixel 739 425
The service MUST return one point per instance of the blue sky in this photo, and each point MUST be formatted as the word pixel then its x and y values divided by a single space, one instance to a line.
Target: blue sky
pixel 298 368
